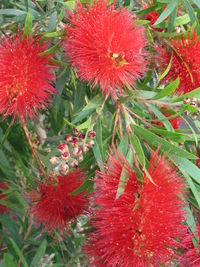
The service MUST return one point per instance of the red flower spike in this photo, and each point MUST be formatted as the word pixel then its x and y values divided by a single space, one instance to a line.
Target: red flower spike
pixel 191 256
pixel 185 62
pixel 105 46
pixel 3 186
pixel 142 226
pixel 53 206
pixel 25 77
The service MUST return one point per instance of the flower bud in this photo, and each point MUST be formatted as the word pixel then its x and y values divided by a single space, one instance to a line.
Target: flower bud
pixel 76 151
pixel 54 160
pixel 65 155
pixel 68 138
pixel 92 134
pixel 36 141
pixel 64 167
pixel 74 163
pixel 80 158
pixel 86 148
pixel 81 136
pixel 75 131
pixel 62 148
pixel 186 100
pixel 90 143
pixel 72 140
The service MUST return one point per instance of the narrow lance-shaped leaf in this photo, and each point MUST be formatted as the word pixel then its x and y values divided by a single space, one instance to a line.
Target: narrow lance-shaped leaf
pixel 40 253
pixel 192 15
pixel 19 253
pixel 170 88
pixel 166 146
pixel 169 9
pixel 28 24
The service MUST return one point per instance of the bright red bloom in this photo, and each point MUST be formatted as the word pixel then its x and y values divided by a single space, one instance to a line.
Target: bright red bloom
pixel 191 256
pixel 25 76
pixel 105 46
pixel 151 16
pixel 140 227
pixel 3 186
pixel 185 62
pixel 53 206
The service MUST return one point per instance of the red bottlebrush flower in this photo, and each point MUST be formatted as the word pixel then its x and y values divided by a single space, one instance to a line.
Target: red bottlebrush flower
pixel 3 186
pixel 24 77
pixel 53 206
pixel 142 226
pixel 191 256
pixel 152 17
pixel 185 62
pixel 105 46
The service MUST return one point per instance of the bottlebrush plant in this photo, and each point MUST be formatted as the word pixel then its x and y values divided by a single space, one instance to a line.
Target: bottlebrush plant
pixel 99 133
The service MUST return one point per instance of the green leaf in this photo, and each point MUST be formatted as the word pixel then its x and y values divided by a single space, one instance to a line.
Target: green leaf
pixel 98 129
pixel 19 253
pixel 40 253
pixel 162 76
pixel 12 12
pixel 26 4
pixel 123 177
pixel 188 167
pixel 52 21
pixel 123 146
pixel 191 220
pixel 86 125
pixel 171 20
pixel 196 2
pixel 169 9
pixel 192 15
pixel 70 4
pixel 192 187
pixel 193 93
pixel 89 109
pixel 8 262
pixel 191 128
pixel 54 34
pixel 81 188
pixel 50 50
pixel 165 120
pixel 182 20
pixel 170 88
pixel 5 135
pixel 141 22
pixel 138 149
pixel 28 24
pixel 166 146
pixel 98 156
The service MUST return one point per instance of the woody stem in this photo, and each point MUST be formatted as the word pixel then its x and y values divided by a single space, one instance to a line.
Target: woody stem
pixel 34 151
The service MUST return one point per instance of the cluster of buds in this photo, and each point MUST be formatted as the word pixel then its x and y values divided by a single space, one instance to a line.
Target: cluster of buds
pixel 72 149
pixel 194 102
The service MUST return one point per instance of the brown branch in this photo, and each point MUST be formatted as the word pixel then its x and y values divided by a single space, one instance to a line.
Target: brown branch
pixel 33 149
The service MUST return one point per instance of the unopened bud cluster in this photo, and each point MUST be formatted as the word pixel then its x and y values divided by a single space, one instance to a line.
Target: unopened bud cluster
pixel 72 149
pixel 194 102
